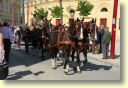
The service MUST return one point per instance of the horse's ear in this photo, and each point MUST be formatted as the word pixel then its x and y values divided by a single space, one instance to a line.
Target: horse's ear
pixel 82 19
pixel 50 19
pixel 78 20
pixel 46 19
pixel 93 20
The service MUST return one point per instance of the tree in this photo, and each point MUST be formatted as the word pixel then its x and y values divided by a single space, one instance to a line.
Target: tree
pixel 40 13
pixel 84 8
pixel 56 11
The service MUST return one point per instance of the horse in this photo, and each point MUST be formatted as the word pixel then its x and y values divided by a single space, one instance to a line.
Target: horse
pixel 67 41
pixel 43 37
pixel 66 45
pixel 81 44
pixel 92 31
pixel 54 49
pixel 48 26
pixel 33 39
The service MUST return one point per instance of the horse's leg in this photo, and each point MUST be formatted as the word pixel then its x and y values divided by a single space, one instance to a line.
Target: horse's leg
pixel 93 48
pixel 39 48
pixel 42 52
pixel 33 50
pixel 56 52
pixel 74 67
pixel 90 46
pixel 78 62
pixel 26 47
pixel 53 52
pixel 85 57
pixel 47 46
pixel 97 48
pixel 62 58
pixel 66 63
pixel 73 52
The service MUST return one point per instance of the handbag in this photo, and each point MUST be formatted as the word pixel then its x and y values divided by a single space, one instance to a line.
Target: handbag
pixel 3 70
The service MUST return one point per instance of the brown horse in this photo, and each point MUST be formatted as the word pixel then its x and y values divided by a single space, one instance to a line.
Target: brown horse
pixel 80 36
pixel 60 41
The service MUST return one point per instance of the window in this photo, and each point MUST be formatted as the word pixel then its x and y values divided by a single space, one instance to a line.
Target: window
pixel 104 10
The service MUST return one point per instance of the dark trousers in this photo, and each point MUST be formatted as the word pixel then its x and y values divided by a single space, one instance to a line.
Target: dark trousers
pixel 41 47
pixel 105 50
pixel 26 46
pixel 100 50
pixel 7 48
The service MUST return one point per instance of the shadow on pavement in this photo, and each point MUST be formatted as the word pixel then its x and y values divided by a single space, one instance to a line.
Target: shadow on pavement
pixel 19 57
pixel 19 75
pixel 92 67
pixel 38 73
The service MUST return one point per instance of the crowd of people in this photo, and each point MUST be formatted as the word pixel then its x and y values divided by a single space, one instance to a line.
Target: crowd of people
pixel 102 42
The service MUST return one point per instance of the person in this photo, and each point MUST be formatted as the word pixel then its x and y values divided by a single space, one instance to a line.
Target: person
pixel 18 34
pixel 26 37
pixel 105 43
pixel 7 35
pixel 1 45
pixel 102 31
pixel 33 20
pixel 3 65
pixel 34 39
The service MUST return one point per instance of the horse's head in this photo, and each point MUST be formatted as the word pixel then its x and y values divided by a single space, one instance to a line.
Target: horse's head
pixel 92 29
pixel 79 28
pixel 48 24
pixel 31 27
pixel 41 23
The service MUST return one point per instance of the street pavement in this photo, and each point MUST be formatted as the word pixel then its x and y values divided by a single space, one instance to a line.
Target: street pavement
pixel 28 67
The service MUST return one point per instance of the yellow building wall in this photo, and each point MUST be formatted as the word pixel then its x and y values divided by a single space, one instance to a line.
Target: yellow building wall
pixel 96 12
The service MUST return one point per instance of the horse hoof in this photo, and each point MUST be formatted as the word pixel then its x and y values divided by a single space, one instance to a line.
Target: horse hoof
pixel 66 73
pixel 75 69
pixel 54 68
pixel 85 61
pixel 82 64
pixel 79 72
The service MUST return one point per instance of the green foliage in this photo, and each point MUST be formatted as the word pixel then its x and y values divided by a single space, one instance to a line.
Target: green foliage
pixel 56 11
pixel 84 8
pixel 40 13
pixel 72 11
